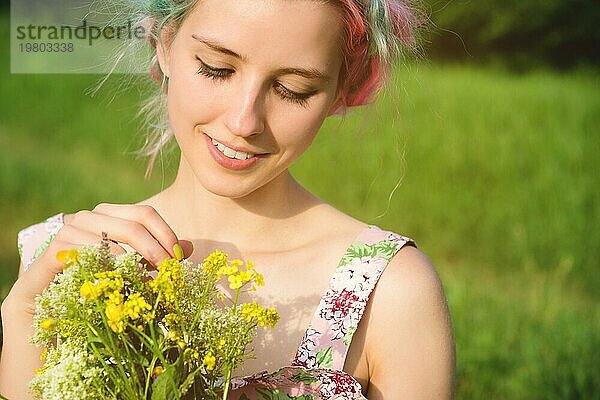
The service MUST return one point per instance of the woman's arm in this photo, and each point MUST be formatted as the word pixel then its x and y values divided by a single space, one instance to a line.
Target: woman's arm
pixel 138 226
pixel 409 342
pixel 19 358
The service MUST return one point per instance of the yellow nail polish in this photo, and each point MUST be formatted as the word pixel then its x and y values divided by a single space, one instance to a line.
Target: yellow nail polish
pixel 178 251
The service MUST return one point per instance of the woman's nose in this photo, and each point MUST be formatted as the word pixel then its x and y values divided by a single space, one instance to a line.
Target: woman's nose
pixel 245 114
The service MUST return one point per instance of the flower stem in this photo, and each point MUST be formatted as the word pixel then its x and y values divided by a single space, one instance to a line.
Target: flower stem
pixel 149 376
pixel 227 383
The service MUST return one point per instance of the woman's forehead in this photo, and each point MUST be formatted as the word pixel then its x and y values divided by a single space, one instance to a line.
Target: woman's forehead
pixel 284 31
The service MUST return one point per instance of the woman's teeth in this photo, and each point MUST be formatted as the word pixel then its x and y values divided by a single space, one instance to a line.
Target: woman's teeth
pixel 231 153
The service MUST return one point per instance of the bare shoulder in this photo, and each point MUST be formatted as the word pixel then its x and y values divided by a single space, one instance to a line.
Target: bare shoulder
pixel 412 271
pixel 410 348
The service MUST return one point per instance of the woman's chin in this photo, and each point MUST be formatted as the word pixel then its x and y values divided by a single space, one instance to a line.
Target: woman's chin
pixel 233 189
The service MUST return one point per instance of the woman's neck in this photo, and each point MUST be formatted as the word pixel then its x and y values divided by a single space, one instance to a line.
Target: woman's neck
pixel 265 219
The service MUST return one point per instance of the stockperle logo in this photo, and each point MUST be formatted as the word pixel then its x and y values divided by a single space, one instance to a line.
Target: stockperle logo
pixel 69 36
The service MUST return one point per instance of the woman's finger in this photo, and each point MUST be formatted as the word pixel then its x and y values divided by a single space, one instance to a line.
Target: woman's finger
pixel 145 215
pixel 126 231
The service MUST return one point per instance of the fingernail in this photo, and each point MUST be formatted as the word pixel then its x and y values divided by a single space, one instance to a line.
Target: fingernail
pixel 178 251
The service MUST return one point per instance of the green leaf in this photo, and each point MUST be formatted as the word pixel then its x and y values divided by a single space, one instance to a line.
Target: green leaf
pixel 188 382
pixel 43 246
pixel 358 250
pixel 165 386
pixel 303 376
pixel 325 358
pixel 348 336
pixel 386 248
pixel 91 338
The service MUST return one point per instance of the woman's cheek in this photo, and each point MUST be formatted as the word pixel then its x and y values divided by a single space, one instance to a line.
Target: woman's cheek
pixel 306 125
pixel 192 102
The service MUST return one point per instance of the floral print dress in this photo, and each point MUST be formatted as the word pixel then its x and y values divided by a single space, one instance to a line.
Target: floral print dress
pixel 315 373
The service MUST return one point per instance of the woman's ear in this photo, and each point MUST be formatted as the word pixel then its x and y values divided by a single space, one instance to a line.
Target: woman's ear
pixel 163 47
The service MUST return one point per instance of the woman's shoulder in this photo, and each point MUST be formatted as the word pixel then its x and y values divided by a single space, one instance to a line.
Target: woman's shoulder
pixel 33 239
pixel 409 286
pixel 410 330
pixel 340 224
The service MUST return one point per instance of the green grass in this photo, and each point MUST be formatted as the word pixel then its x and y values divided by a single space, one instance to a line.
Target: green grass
pixel 498 185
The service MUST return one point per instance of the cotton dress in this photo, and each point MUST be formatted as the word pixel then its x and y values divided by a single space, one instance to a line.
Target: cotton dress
pixel 315 372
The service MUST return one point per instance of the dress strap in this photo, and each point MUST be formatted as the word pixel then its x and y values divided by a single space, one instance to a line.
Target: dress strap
pixel 33 240
pixel 327 339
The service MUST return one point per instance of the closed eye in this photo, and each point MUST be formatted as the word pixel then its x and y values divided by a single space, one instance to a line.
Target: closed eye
pixel 211 72
pixel 222 74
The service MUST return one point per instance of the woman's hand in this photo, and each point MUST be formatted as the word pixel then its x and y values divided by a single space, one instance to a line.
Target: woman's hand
pixel 137 226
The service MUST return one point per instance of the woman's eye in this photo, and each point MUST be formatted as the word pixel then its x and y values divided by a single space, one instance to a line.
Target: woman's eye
pixel 294 97
pixel 211 72
pixel 283 92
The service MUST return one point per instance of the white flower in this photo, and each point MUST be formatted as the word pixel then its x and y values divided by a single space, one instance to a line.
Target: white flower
pixel 70 374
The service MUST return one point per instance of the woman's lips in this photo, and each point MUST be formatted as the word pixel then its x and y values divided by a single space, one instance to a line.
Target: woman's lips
pixel 231 152
pixel 237 160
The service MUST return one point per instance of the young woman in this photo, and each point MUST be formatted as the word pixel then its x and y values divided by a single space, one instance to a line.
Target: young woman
pixel 248 84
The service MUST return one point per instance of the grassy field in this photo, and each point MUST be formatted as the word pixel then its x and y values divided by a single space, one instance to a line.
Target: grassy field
pixel 494 175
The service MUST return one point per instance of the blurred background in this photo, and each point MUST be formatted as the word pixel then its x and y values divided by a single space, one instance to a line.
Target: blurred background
pixel 484 150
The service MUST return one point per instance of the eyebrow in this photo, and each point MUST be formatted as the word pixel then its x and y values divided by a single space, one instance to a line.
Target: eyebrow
pixel 310 73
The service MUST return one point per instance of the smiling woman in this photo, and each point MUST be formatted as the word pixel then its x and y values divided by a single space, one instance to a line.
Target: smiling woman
pixel 244 94
pixel 245 88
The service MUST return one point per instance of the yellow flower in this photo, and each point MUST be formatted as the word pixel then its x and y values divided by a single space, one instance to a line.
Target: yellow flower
pixel 44 354
pixel 170 320
pixel 221 344
pixel 251 310
pixel 109 281
pixel 263 317
pixel 173 336
pixel 68 257
pixel 228 270
pixel 89 291
pixel 209 361
pixel 114 297
pixel 258 279
pixel 271 317
pixel 157 371
pixel 169 280
pixel 148 317
pixel 191 354
pixel 114 313
pixel 136 304
pixel 214 262
pixel 239 279
pixel 235 282
pixel 48 324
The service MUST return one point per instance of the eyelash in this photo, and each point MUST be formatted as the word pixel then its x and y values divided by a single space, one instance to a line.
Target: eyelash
pixel 218 74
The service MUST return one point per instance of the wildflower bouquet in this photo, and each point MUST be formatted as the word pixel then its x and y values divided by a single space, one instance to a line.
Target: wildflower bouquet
pixel 110 331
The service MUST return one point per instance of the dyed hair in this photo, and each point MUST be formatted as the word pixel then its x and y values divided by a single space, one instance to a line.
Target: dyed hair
pixel 376 32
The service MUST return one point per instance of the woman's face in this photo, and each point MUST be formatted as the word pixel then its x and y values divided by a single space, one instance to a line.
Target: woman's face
pixel 250 83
